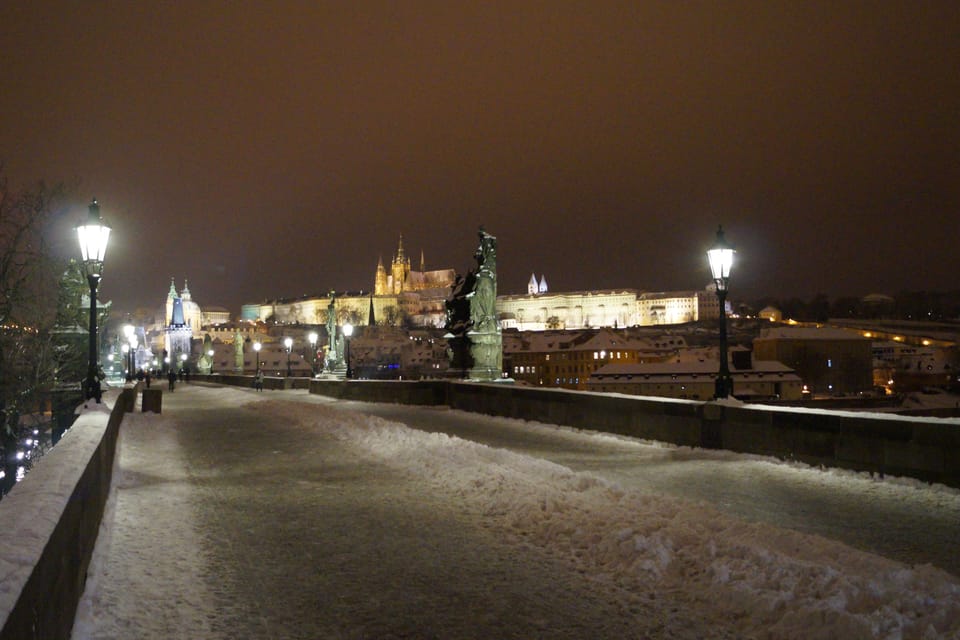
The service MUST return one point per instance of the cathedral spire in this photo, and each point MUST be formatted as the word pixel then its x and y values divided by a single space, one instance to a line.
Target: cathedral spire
pixel 400 250
pixel 173 290
pixel 185 294
pixel 422 263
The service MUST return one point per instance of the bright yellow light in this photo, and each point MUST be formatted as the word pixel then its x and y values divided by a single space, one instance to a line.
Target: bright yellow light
pixel 867 335
pixel 897 339
pixel 926 343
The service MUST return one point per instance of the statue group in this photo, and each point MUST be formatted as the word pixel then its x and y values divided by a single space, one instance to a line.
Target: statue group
pixel 474 334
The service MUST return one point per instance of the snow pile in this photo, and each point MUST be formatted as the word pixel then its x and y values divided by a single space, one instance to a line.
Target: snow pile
pixel 772 582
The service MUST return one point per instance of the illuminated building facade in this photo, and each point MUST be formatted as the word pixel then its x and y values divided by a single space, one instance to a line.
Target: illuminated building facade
pixel 567 359
pixel 602 308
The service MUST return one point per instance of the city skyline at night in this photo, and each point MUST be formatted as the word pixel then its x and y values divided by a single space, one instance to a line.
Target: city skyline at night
pixel 279 150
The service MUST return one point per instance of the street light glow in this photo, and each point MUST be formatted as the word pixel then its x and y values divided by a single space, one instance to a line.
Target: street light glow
pixel 721 260
pixel 720 257
pixel 93 237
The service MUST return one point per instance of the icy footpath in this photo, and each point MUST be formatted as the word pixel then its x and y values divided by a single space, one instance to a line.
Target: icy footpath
pixel 148 550
pixel 770 582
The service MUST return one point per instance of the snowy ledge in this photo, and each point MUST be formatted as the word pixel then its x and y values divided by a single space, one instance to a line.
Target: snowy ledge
pixel 50 524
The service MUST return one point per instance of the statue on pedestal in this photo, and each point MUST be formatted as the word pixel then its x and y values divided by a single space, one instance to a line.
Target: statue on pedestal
pixel 205 361
pixel 486 339
pixel 333 351
pixel 237 351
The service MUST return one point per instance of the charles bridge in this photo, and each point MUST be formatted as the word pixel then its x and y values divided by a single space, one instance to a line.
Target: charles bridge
pixel 52 525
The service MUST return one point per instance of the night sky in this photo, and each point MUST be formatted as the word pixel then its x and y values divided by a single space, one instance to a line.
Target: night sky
pixel 268 149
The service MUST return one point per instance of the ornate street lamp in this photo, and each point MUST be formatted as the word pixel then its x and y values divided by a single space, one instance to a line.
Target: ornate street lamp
pixel 134 344
pixel 312 338
pixel 347 332
pixel 256 349
pixel 93 237
pixel 125 348
pixel 288 343
pixel 721 262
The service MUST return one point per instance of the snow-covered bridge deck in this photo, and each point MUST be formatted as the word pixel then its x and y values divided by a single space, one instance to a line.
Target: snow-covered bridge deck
pixel 283 515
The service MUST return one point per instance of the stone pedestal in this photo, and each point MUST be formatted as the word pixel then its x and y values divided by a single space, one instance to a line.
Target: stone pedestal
pixel 487 352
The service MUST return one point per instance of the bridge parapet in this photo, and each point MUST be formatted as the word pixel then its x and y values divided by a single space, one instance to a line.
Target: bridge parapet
pixel 50 525
pixel 917 447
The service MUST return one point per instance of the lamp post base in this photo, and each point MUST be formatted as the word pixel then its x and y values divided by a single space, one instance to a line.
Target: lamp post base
pixel 723 387
pixel 93 390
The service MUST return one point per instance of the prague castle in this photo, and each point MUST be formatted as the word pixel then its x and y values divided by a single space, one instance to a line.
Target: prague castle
pixel 417 298
pixel 402 279
pixel 400 296
pixel 540 309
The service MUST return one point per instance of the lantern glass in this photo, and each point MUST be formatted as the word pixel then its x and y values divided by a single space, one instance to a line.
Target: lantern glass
pixel 93 237
pixel 721 260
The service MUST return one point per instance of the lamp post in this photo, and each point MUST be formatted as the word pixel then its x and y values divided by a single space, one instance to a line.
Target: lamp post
pixel 210 355
pixel 133 354
pixel 721 262
pixel 125 348
pixel 347 332
pixel 256 349
pixel 312 338
pixel 93 237
pixel 288 343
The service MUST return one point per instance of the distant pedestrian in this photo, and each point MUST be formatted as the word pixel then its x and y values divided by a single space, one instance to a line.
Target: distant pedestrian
pixel 172 379
pixel 258 381
pixel 146 378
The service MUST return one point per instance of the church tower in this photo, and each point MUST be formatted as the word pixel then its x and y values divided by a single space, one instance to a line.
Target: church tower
pixel 178 333
pixel 380 286
pixel 171 296
pixel 532 287
pixel 400 268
